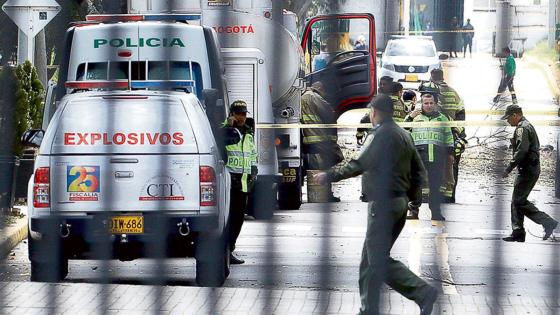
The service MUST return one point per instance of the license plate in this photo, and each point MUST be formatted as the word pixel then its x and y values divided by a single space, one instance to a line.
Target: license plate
pixel 410 77
pixel 127 224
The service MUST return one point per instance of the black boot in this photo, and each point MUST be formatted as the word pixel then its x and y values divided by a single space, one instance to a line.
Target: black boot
pixel 516 236
pixel 234 260
pixel 549 229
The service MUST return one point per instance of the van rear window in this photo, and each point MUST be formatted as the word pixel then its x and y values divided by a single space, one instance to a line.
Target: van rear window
pixel 143 70
pixel 124 126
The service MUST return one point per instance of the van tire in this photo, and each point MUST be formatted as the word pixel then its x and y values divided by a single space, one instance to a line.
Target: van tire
pixel 212 260
pixel 49 271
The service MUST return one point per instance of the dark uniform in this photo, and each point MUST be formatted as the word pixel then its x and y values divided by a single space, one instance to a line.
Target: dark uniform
pixel 393 173
pixel 526 158
pixel 242 166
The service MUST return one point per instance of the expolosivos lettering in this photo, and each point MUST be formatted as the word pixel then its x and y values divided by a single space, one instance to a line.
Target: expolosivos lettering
pixel 120 138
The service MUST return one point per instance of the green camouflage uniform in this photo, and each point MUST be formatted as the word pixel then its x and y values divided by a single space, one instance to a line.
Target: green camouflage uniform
pixel 526 158
pixel 392 172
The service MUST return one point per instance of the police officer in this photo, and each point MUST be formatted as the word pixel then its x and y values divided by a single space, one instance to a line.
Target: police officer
pixel 319 144
pixel 435 146
pixel 242 165
pixel 400 109
pixel 451 105
pixel 383 88
pixel 393 173
pixel 526 158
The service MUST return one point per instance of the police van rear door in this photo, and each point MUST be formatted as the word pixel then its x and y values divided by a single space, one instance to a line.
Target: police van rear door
pixel 124 152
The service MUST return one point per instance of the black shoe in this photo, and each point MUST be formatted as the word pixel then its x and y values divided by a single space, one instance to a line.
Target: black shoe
pixel 496 99
pixel 516 236
pixel 334 199
pixel 549 229
pixel 438 217
pixel 427 304
pixel 235 261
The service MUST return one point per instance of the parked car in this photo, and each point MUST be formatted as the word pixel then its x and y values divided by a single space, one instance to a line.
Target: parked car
pixel 124 175
pixel 409 59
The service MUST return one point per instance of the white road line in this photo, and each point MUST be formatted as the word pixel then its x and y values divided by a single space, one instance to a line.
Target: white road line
pixel 415 249
pixel 443 263
pixel 293 227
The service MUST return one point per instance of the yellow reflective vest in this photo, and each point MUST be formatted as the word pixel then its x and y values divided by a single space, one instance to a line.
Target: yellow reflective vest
pixel 242 156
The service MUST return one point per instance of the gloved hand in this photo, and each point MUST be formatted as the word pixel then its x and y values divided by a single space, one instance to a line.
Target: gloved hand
pixel 460 146
pixel 360 137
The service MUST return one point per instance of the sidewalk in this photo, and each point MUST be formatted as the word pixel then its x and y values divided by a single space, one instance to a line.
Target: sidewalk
pixel 12 231
pixel 74 298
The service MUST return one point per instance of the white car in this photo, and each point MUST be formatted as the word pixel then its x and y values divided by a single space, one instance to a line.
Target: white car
pixel 124 175
pixel 409 60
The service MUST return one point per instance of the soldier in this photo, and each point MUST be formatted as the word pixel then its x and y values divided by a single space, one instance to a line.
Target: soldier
pixel 320 145
pixel 452 106
pixel 435 145
pixel 393 173
pixel 527 161
pixel 400 110
pixel 242 165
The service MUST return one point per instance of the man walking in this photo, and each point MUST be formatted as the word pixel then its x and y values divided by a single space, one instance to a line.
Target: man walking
pixel 526 158
pixel 508 73
pixel 468 34
pixel 242 165
pixel 435 146
pixel 319 144
pixel 393 173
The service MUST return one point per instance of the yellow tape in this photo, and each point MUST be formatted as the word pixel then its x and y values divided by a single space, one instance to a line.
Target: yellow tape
pixel 497 112
pixel 468 123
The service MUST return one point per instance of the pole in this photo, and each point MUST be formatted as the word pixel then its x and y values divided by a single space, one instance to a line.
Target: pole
pixel 552 20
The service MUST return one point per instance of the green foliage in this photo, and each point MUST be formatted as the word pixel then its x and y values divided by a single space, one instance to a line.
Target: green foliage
pixel 28 101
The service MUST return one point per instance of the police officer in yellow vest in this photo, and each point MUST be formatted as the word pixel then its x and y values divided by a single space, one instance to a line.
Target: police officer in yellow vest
pixel 319 144
pixel 435 146
pixel 242 165
pixel 451 105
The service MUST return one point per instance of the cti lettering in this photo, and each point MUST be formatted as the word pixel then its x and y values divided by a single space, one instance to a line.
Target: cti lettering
pixel 141 42
pixel 235 29
pixel 119 138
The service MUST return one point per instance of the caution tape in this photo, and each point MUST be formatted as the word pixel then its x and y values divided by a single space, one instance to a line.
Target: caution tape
pixel 497 112
pixel 467 123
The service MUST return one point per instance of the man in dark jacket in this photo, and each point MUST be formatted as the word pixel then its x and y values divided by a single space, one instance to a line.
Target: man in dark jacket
pixel 526 158
pixel 393 174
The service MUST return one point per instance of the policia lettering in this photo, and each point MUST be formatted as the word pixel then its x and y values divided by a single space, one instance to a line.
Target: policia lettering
pixel 242 156
pixel 141 42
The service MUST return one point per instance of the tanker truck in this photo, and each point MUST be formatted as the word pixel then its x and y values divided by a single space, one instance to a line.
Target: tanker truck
pixel 269 66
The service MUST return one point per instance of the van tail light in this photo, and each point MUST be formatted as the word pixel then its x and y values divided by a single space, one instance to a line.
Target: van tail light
pixel 207 186
pixel 41 188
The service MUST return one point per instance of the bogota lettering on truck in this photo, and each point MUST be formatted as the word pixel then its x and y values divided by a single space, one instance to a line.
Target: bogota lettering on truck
pixel 83 183
pixel 122 138
pixel 138 42
pixel 234 29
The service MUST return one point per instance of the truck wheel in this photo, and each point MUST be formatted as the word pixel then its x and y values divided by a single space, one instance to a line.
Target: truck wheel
pixel 289 196
pixel 557 190
pixel 212 260
pixel 49 271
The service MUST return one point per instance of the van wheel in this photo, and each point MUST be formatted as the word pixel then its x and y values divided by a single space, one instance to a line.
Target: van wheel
pixel 212 260
pixel 49 271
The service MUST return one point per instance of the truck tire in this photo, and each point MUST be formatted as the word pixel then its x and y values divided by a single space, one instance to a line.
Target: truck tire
pixel 289 196
pixel 212 260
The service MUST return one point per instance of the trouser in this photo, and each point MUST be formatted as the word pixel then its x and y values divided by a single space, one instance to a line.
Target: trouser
pixel 521 207
pixel 455 174
pixel 467 43
pixel 436 171
pixel 237 208
pixel 507 81
pixel 384 224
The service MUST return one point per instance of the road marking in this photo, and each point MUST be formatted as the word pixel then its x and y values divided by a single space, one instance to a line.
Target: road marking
pixel 443 263
pixel 293 227
pixel 415 248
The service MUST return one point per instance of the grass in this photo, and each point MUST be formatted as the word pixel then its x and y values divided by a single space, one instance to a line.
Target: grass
pixel 543 53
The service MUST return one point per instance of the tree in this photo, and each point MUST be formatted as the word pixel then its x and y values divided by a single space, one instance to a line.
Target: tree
pixel 28 102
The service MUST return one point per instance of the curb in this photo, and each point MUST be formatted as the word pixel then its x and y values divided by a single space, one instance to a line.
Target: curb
pixel 12 235
pixel 553 85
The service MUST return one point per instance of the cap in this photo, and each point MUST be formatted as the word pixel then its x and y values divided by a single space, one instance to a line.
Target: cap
pixel 383 103
pixel 238 107
pixel 512 109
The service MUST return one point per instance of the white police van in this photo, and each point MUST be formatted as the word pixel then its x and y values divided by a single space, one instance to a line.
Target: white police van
pixel 129 165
